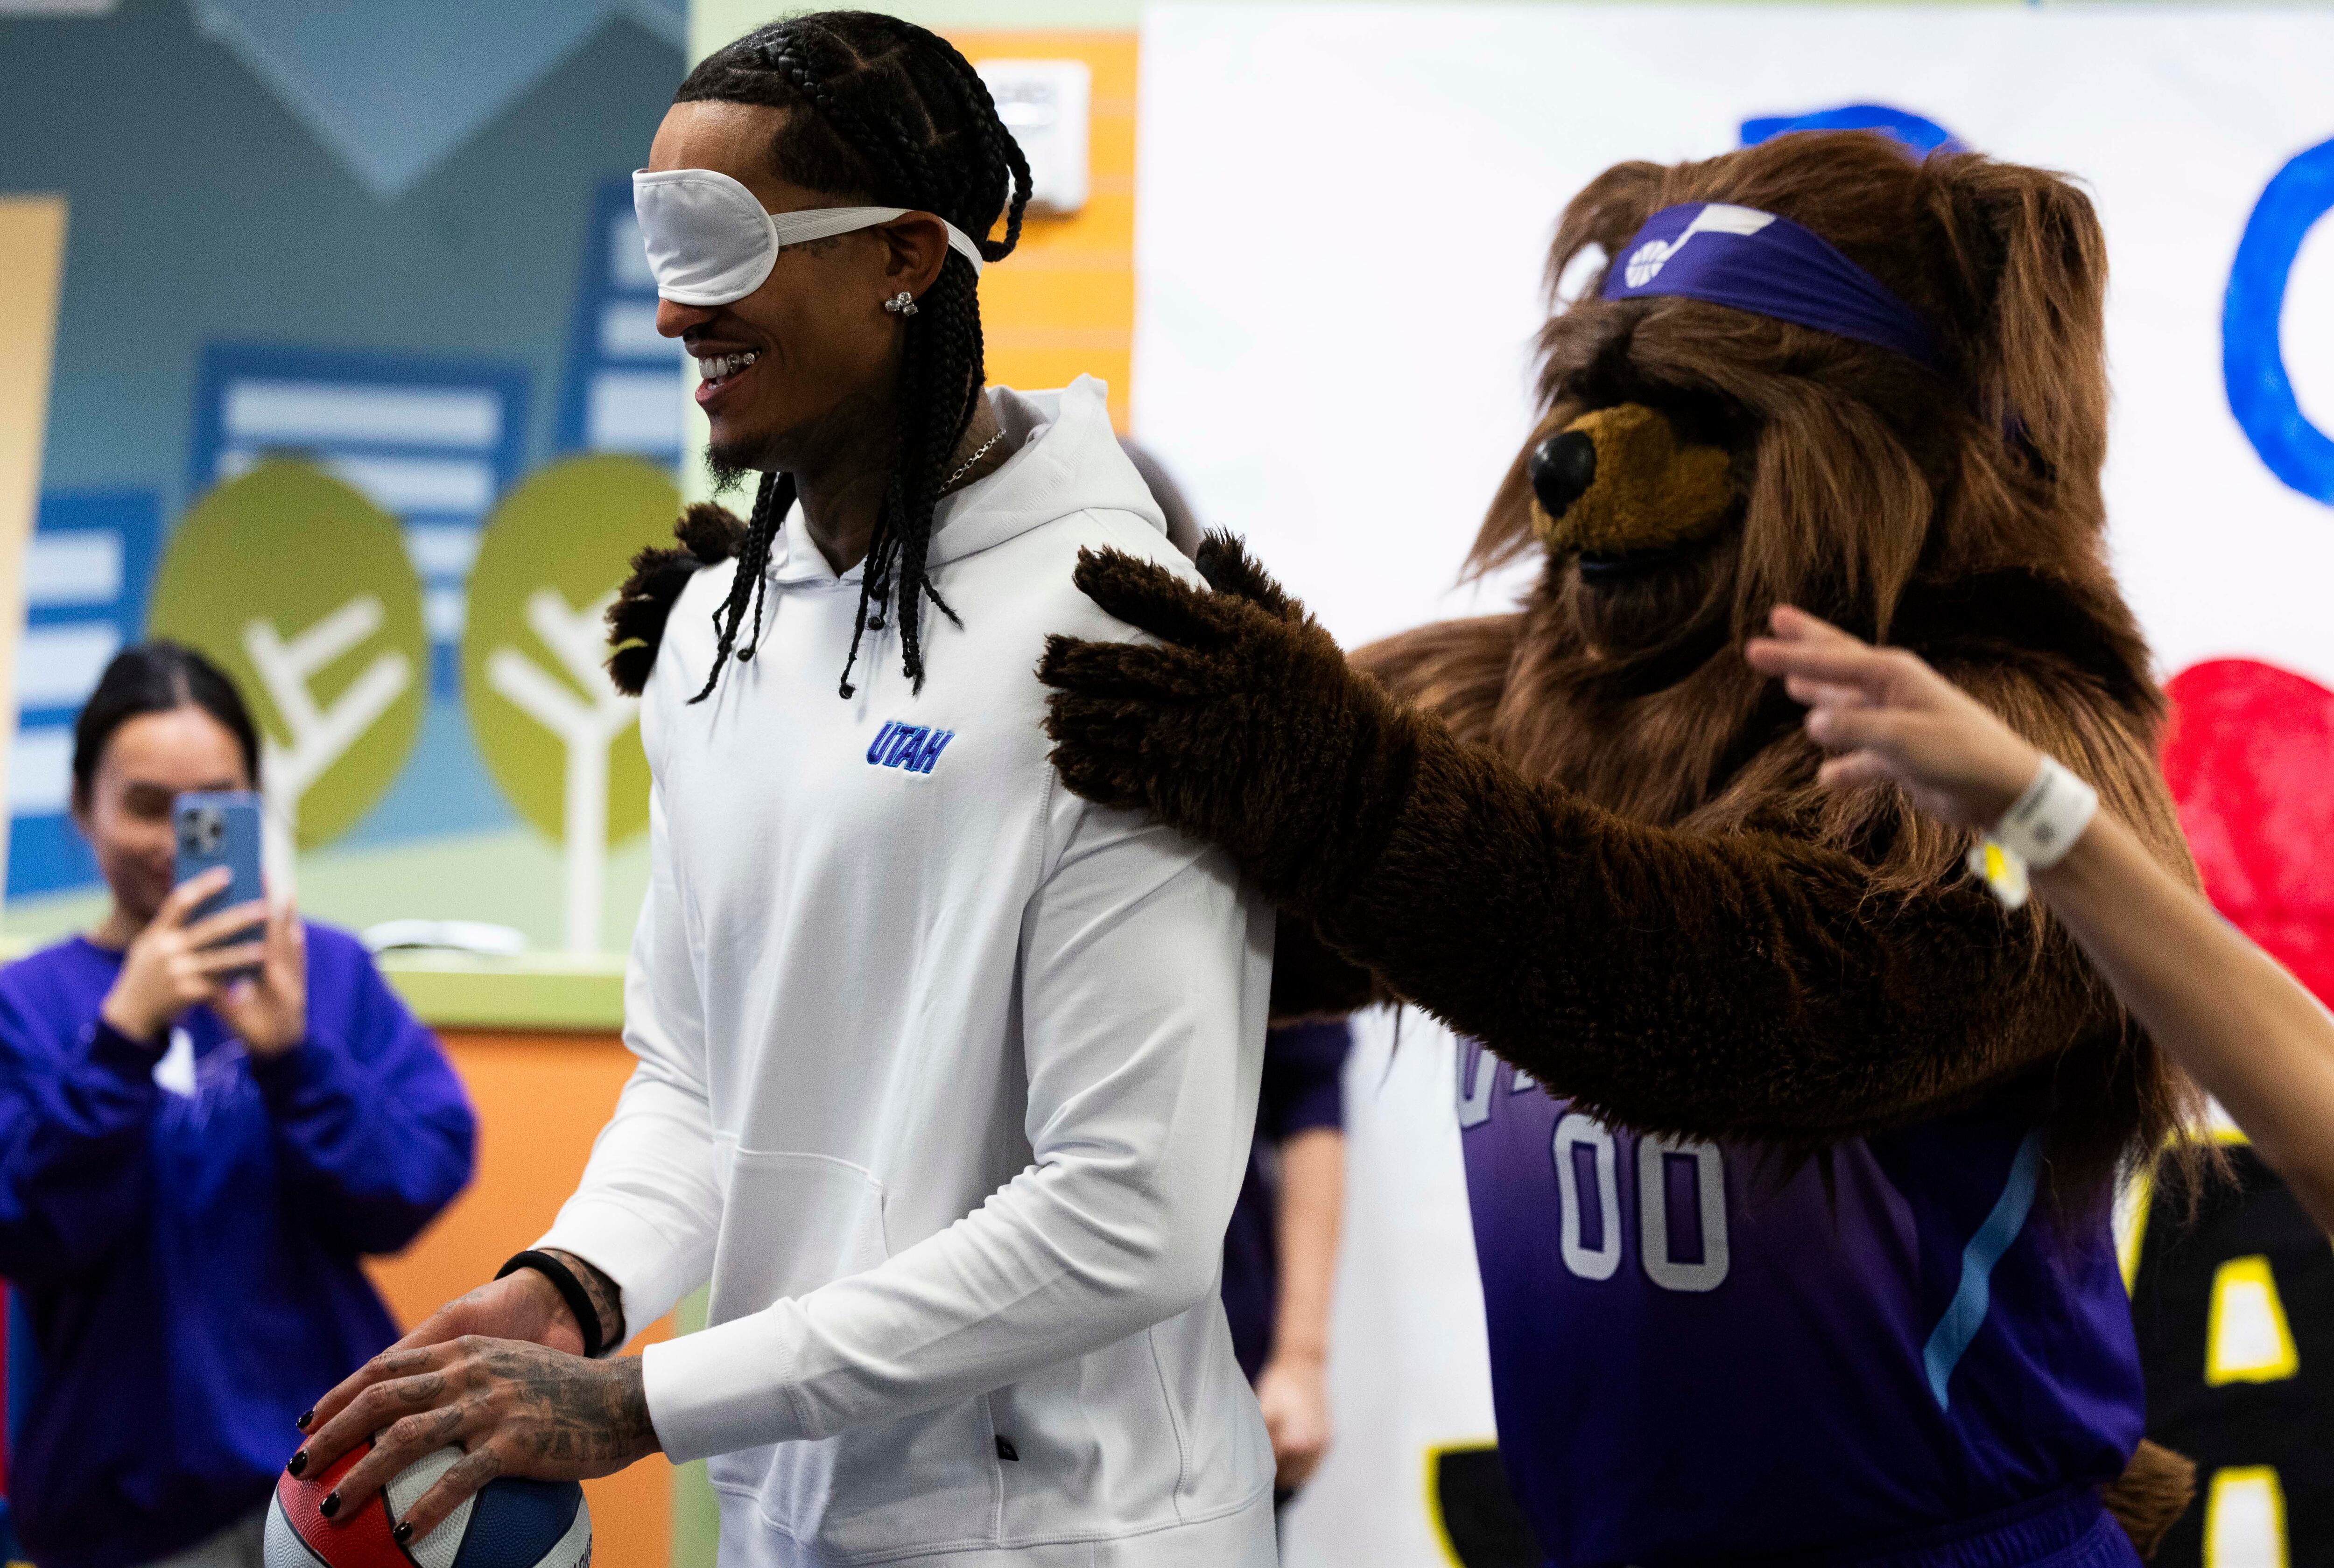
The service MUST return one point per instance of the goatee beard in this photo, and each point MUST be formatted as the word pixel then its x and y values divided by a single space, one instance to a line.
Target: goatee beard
pixel 727 467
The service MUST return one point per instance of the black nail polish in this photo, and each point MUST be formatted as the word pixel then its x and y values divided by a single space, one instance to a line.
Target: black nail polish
pixel 306 1415
pixel 330 1505
pixel 404 1531
pixel 297 1462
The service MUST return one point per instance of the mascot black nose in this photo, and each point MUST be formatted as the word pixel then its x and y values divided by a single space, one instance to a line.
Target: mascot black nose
pixel 1563 467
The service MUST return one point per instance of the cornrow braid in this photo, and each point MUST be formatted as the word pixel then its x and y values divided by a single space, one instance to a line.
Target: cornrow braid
pixel 895 115
pixel 772 500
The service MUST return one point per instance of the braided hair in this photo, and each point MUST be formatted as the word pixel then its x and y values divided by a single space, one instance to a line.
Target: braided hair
pixel 887 111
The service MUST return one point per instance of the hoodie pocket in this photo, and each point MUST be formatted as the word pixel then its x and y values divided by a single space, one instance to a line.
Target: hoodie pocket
pixel 790 1223
pixel 925 1482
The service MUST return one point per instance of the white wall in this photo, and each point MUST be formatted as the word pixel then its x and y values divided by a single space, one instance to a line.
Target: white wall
pixel 1345 211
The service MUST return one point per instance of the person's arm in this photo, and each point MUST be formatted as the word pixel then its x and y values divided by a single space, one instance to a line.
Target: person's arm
pixel 644 1218
pixel 1743 984
pixel 2224 1009
pixel 1301 1112
pixel 1293 1389
pixel 73 1143
pixel 374 1130
pixel 498 1368
pixel 76 1114
pixel 1311 983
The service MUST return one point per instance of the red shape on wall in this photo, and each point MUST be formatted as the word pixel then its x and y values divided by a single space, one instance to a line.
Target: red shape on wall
pixel 2249 757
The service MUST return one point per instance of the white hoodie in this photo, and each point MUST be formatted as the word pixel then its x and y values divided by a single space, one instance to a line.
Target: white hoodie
pixel 947 1077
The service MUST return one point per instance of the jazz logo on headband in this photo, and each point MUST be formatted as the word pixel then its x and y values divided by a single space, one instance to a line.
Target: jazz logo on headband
pixel 1645 264
pixel 1758 262
pixel 911 747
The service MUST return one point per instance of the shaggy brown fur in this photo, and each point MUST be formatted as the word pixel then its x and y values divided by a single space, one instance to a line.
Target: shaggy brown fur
pixel 1750 983
pixel 1589 834
pixel 2148 1498
pixel 1609 859
pixel 708 535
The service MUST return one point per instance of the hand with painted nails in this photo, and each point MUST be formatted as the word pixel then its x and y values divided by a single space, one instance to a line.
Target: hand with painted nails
pixel 416 1389
pixel 514 1407
pixel 1883 713
pixel 174 965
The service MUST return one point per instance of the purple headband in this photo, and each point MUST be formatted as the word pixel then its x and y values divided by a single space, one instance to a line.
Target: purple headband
pixel 1769 266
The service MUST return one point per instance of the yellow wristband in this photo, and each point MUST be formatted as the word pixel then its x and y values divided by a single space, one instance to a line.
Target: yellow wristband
pixel 2003 871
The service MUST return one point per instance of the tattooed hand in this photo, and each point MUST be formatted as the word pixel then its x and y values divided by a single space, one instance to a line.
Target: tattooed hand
pixel 521 1305
pixel 499 1372
pixel 516 1408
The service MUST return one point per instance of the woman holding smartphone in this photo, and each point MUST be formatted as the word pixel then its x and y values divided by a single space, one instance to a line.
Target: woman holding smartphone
pixel 205 1123
pixel 2224 1009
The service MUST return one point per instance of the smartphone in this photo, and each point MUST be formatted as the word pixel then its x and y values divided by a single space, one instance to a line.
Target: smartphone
pixel 221 827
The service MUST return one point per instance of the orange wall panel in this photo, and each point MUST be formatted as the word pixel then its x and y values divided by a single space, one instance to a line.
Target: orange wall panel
pixel 541 1100
pixel 1063 304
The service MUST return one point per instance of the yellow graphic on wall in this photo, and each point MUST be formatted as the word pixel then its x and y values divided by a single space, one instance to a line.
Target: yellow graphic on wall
pixel 32 271
pixel 300 589
pixel 2247 1339
pixel 2244 1519
pixel 560 742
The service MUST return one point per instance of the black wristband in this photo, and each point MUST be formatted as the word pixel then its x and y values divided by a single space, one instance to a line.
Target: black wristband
pixel 571 1291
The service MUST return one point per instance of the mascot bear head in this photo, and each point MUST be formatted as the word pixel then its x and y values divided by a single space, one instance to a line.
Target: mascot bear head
pixel 1892 413
pixel 1927 462
pixel 1586 833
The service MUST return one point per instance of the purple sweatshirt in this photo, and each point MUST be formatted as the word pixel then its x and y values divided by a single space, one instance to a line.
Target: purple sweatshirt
pixel 186 1252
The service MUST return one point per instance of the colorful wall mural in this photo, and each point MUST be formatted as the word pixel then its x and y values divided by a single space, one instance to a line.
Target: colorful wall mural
pixel 337 281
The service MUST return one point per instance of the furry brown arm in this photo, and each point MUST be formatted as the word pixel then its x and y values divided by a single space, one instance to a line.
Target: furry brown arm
pixel 709 534
pixel 1455 670
pixel 1743 985
pixel 1310 980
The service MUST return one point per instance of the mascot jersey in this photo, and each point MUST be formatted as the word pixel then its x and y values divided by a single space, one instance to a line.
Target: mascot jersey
pixel 1702 1355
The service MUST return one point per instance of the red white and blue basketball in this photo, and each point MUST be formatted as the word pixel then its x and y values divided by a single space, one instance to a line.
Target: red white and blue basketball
pixel 510 1524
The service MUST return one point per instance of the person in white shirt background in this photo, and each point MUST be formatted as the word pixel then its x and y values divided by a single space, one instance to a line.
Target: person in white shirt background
pixel 946 1077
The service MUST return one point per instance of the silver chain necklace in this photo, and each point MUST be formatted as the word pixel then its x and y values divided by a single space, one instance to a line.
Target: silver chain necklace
pixel 966 467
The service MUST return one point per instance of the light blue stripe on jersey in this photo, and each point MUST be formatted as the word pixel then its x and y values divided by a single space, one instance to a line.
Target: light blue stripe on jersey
pixel 1967 1315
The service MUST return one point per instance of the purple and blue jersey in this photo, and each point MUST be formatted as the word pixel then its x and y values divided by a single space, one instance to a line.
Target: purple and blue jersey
pixel 1705 1353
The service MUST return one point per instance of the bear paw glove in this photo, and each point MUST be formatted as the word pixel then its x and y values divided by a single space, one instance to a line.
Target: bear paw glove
pixel 1242 726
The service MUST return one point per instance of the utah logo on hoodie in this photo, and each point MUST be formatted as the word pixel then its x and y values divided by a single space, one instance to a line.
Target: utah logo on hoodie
pixel 913 746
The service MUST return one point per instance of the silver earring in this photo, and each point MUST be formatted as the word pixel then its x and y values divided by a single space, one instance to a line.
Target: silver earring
pixel 903 303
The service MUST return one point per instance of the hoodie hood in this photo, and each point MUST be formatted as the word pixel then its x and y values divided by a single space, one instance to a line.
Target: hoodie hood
pixel 1067 460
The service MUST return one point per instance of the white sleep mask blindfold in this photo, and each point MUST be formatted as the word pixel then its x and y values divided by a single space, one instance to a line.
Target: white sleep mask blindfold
pixel 710 243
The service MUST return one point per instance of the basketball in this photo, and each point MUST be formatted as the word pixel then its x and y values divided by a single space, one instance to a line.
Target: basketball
pixel 510 1524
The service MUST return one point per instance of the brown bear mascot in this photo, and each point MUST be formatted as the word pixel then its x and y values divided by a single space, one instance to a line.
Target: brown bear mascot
pixel 1801 1253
